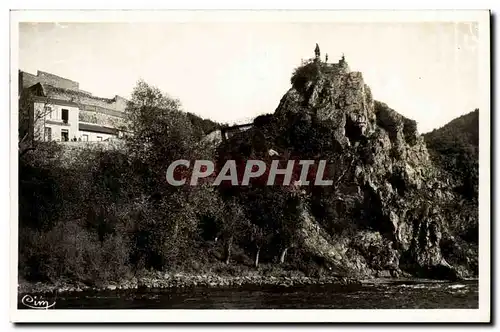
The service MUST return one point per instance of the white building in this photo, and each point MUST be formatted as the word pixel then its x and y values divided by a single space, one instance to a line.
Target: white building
pixel 55 109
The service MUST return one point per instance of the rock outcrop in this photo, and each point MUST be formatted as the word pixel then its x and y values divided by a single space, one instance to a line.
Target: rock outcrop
pixel 389 212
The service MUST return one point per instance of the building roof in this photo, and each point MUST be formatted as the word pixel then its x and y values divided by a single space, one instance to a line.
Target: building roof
pixel 49 90
pixel 97 129
pixel 69 89
pixel 111 106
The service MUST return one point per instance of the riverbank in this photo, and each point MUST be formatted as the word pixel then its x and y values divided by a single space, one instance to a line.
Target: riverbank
pixel 157 280
pixel 387 293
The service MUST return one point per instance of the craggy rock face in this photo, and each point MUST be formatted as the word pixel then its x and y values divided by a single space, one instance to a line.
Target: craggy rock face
pixel 388 214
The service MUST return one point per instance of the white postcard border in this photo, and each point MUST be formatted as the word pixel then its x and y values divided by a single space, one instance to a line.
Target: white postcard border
pixel 334 315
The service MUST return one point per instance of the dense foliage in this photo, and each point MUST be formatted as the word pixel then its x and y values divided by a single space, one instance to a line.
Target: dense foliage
pixel 455 150
pixel 202 126
pixel 94 215
pixel 308 71
pixel 455 147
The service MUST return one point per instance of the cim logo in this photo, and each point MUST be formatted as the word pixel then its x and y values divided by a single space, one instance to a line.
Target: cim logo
pixel 36 302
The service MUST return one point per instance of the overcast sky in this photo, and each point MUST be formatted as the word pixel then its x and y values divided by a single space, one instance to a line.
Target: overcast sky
pixel 231 72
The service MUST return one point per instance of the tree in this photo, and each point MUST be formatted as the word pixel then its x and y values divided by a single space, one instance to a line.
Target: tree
pixel 32 114
pixel 290 222
pixel 233 221
pixel 161 134
pixel 260 237
pixel 201 126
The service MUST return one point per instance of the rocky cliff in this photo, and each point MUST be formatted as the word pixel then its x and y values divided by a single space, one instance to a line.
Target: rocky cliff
pixel 390 210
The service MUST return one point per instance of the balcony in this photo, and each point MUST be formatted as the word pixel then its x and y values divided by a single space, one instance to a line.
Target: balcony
pixel 57 122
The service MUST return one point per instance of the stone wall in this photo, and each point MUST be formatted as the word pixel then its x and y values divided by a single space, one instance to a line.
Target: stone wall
pixel 100 118
pixel 26 80
pixel 111 107
pixel 65 89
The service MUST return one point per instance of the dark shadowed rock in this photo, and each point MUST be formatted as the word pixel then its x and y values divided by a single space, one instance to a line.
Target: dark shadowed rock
pixel 390 211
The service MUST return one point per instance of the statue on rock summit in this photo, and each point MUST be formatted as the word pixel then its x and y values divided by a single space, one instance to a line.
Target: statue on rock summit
pixel 317 52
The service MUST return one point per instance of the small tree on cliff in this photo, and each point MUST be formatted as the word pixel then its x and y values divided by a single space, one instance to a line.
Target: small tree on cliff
pixel 309 71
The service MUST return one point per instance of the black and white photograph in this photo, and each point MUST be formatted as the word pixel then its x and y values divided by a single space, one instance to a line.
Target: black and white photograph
pixel 223 166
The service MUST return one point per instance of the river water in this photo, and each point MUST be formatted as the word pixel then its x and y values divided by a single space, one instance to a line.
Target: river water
pixel 416 294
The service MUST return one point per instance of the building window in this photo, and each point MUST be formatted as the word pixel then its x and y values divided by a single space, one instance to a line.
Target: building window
pixel 64 115
pixel 48 134
pixel 64 135
pixel 85 137
pixel 48 111
pixel 99 138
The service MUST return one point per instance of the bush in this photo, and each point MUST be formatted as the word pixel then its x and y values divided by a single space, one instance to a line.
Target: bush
pixel 40 187
pixel 308 71
pixel 69 251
